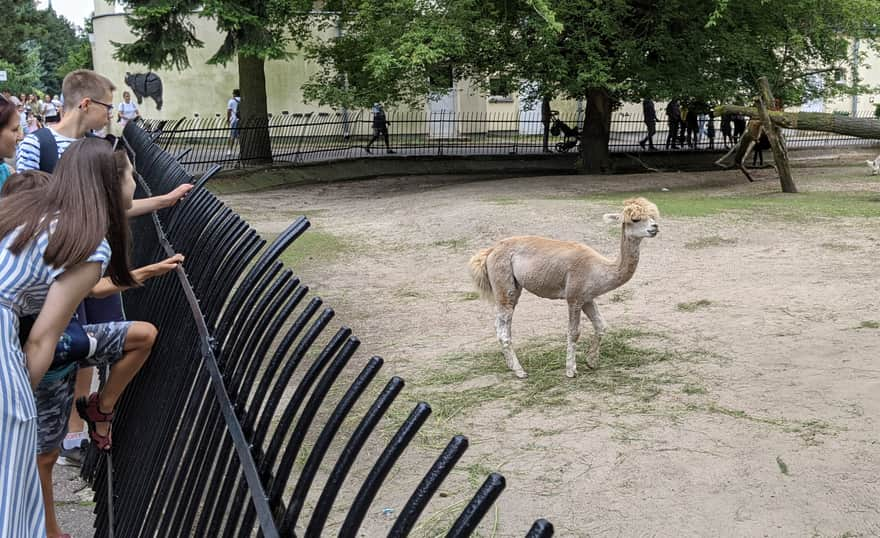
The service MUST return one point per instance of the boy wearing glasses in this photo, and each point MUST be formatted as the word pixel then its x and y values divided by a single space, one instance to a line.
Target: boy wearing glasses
pixel 88 98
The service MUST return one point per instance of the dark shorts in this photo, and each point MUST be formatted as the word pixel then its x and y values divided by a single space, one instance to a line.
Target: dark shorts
pixel 54 394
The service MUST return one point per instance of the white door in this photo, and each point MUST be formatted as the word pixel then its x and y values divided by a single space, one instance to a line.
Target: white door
pixel 441 123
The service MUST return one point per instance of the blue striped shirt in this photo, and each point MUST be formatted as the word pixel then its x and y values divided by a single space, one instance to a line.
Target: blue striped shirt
pixel 27 156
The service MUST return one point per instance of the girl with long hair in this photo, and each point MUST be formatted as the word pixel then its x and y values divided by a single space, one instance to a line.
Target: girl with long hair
pixel 55 243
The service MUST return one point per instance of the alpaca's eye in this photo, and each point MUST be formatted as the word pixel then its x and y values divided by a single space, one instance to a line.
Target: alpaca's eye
pixel 636 220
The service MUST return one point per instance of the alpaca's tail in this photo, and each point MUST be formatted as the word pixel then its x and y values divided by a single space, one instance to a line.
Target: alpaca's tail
pixel 480 274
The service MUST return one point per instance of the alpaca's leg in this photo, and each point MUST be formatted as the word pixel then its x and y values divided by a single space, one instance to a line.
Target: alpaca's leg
pixel 574 333
pixel 503 322
pixel 599 326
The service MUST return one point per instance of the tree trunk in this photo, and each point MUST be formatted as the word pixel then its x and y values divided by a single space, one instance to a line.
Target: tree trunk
pixel 814 121
pixel 256 146
pixel 596 132
pixel 777 140
pixel 545 119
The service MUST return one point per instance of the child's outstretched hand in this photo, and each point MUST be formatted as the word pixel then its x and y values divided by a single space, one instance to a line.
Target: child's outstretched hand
pixel 142 274
pixel 174 196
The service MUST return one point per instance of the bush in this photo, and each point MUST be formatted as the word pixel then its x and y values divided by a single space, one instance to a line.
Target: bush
pixel 877 110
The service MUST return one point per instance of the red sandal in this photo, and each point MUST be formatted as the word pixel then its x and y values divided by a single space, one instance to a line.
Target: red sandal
pixel 90 412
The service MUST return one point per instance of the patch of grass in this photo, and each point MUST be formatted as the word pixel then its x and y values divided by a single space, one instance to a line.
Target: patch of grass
pixel 470 296
pixel 688 388
pixel 477 473
pixel 840 247
pixel 407 293
pixel 454 244
pixel 775 205
pixel 707 242
pixel 869 325
pixel 506 201
pixel 783 467
pixel 808 430
pixel 693 306
pixel 315 246
pixel 621 296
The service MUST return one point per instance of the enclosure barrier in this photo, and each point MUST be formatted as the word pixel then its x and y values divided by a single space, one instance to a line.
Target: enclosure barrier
pixel 209 438
pixel 310 137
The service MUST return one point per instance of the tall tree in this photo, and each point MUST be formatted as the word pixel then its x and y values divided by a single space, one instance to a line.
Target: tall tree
pixel 254 30
pixel 602 52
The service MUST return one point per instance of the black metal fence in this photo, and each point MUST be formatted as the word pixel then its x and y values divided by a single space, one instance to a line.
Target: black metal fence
pixel 209 438
pixel 301 138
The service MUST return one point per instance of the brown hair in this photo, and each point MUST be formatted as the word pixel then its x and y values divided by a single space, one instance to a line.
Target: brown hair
pixel 85 196
pixel 25 181
pixel 7 111
pixel 82 83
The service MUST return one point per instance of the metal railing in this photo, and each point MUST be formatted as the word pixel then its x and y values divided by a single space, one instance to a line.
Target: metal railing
pixel 304 138
pixel 209 438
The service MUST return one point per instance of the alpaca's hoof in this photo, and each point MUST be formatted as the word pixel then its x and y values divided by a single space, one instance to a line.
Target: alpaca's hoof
pixel 520 374
pixel 571 373
pixel 592 365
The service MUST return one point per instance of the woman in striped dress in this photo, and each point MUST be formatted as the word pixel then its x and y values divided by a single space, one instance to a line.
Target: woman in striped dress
pixel 55 243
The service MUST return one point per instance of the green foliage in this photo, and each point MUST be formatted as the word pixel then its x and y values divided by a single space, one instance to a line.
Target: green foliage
pixel 38 47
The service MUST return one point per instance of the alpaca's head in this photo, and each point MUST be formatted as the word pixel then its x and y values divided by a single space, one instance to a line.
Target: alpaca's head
pixel 639 218
pixel 874 166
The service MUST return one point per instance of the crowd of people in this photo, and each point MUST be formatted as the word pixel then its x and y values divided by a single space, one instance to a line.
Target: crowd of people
pixel 689 123
pixel 64 243
pixel 36 111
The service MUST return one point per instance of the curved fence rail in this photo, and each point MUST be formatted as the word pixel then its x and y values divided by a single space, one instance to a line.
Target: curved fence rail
pixel 209 439
pixel 304 138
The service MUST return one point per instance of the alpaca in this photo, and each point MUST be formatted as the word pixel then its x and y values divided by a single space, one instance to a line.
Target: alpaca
pixel 874 166
pixel 561 270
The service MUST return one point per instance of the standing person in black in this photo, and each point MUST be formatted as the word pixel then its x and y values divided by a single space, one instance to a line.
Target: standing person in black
pixel 739 126
pixel 649 114
pixel 380 128
pixel 692 123
pixel 727 129
pixel 673 117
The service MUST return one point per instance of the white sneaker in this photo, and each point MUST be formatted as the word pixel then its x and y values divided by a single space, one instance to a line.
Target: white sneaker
pixel 229 152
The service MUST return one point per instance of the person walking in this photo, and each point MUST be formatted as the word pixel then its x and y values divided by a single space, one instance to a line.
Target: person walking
pixel 49 111
pixel 649 116
pixel 233 118
pixel 380 128
pixel 673 118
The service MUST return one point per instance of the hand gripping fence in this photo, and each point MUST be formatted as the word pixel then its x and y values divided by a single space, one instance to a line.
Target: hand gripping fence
pixel 229 428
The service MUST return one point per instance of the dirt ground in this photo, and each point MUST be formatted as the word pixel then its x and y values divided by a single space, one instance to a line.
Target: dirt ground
pixel 760 417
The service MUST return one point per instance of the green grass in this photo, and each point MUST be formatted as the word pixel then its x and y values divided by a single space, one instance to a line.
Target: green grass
pixel 808 430
pixel 693 306
pixel 775 205
pixel 470 296
pixel 869 325
pixel 313 247
pixel 689 388
pixel 469 381
pixel 454 244
pixel 621 296
pixel 707 242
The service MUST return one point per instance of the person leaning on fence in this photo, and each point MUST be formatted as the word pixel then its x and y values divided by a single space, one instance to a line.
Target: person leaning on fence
pixel 122 346
pixel 673 118
pixel 649 115
pixel 380 128
pixel 87 96
pixel 233 119
pixel 710 128
pixel 55 244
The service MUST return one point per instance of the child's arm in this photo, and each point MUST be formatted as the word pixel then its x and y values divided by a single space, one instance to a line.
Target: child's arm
pixel 105 287
pixel 142 206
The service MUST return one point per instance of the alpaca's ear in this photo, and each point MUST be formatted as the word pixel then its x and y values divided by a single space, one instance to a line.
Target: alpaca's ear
pixel 612 218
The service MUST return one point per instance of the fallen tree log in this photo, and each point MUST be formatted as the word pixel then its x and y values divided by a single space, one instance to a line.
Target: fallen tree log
pixel 812 121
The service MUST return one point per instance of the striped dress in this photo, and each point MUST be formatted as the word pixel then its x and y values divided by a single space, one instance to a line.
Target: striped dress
pixel 24 283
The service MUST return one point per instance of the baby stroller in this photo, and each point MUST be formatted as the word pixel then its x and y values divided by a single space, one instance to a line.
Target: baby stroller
pixel 571 137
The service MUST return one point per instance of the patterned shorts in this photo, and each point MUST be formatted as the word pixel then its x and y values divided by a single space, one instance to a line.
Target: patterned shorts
pixel 54 394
